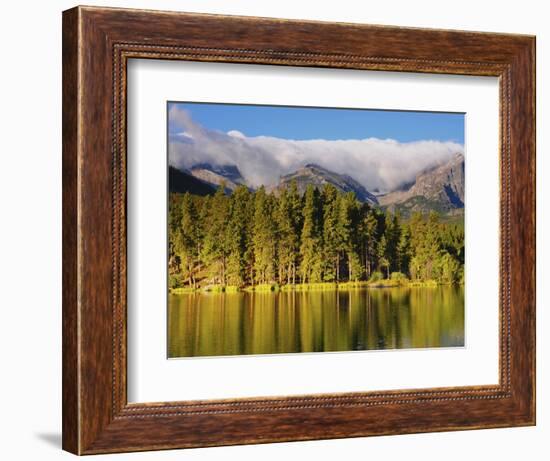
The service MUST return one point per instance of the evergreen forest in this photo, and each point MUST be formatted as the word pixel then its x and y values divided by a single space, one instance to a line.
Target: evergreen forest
pixel 263 240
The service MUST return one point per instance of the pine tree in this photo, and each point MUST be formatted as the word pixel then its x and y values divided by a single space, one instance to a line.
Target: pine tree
pixel 310 259
pixel 367 231
pixel 426 241
pixel 392 235
pixel 288 224
pixel 296 219
pixel 248 238
pixel 331 237
pixel 383 262
pixel 186 241
pixel 264 238
pixel 348 220
pixel 404 250
pixel 236 236
pixel 214 250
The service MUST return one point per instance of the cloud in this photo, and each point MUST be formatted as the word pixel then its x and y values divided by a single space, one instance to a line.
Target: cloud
pixel 236 134
pixel 379 164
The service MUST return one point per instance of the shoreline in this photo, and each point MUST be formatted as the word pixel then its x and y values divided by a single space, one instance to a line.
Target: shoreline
pixel 321 286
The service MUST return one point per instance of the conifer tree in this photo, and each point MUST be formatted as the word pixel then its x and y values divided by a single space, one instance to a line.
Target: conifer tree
pixel 214 250
pixel 404 250
pixel 392 235
pixel 246 238
pixel 237 236
pixel 288 225
pixel 367 230
pixel 263 240
pixel 310 260
pixel 348 220
pixel 296 219
pixel 383 263
pixel 186 241
pixel 331 236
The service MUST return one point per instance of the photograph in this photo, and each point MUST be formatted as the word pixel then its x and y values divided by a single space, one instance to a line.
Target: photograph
pixel 278 224
pixel 307 229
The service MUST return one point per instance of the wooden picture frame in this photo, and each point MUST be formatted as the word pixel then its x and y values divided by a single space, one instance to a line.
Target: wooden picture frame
pixel 97 43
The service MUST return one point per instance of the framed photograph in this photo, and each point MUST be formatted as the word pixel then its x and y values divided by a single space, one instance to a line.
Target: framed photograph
pixel 282 230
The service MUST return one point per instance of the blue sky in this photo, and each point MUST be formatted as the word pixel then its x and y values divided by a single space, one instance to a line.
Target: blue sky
pixel 303 123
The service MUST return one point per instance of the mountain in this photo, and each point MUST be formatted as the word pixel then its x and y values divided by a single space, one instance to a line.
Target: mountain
pixel 440 189
pixel 214 175
pixel 181 182
pixel 319 176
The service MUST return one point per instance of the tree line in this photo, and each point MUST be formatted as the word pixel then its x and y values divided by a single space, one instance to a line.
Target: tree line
pixel 251 238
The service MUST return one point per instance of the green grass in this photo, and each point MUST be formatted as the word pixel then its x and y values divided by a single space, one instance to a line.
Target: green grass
pixel 321 286
pixel 394 283
pixel 182 290
pixel 310 286
pixel 387 283
pixel 263 288
pixel 351 285
pixel 214 289
pixel 424 283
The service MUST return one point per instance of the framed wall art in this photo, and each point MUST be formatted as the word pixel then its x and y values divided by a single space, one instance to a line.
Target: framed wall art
pixel 282 230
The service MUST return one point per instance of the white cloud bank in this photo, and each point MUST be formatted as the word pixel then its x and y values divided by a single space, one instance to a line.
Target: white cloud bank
pixel 378 164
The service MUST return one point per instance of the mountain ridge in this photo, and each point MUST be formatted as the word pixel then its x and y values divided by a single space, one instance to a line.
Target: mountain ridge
pixel 181 182
pixel 215 175
pixel 440 188
pixel 318 176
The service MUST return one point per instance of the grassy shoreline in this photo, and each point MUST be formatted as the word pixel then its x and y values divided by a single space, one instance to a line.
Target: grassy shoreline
pixel 322 286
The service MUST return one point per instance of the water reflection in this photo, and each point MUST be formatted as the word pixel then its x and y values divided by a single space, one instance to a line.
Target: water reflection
pixel 206 324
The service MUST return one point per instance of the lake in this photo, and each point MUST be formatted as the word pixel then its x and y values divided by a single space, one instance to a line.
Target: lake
pixel 217 324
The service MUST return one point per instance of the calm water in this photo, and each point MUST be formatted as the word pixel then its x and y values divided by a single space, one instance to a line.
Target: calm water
pixel 316 321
